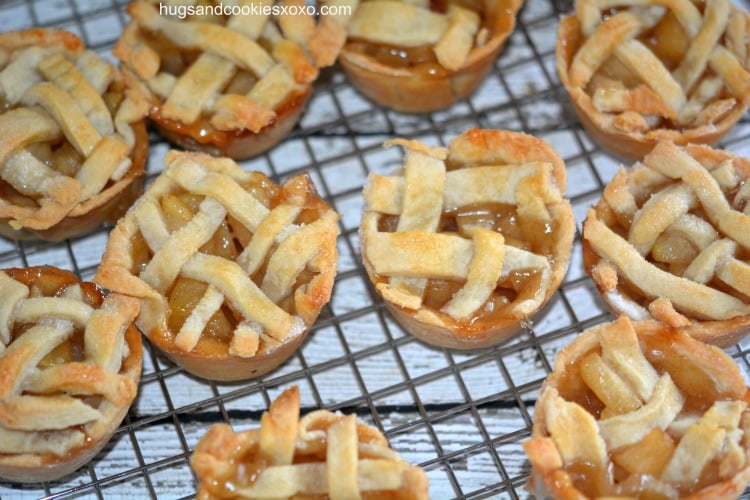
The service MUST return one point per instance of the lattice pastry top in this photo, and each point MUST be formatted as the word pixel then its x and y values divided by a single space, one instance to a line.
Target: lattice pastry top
pixel 72 143
pixel 230 268
pixel 422 55
pixel 637 410
pixel 321 455
pixel 669 240
pixel 470 241
pixel 640 72
pixel 233 83
pixel 71 361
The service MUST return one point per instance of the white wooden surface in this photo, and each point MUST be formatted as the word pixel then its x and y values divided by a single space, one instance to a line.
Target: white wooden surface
pixel 463 416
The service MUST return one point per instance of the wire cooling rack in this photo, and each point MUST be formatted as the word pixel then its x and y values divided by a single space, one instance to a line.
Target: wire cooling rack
pixel 461 416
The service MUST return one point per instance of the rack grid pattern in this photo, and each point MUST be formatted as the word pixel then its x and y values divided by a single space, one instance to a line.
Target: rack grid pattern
pixel 461 415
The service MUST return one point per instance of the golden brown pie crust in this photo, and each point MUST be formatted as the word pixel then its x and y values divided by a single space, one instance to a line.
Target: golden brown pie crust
pixel 513 219
pixel 686 435
pixel 627 133
pixel 660 244
pixel 240 144
pixel 70 214
pixel 419 89
pixel 97 375
pixel 321 455
pixel 232 86
pixel 231 269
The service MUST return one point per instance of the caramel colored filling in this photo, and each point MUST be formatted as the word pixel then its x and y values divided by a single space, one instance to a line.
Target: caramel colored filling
pixel 529 235
pixel 52 285
pixel 176 60
pixel 669 42
pixel 636 467
pixel 228 242
pixel 420 60
pixel 238 473
pixel 673 252
pixel 59 154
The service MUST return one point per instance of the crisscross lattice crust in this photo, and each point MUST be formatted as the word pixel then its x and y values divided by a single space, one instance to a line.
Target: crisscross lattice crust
pixel 321 455
pixel 72 145
pixel 70 360
pixel 470 240
pixel 229 267
pixel 419 56
pixel 639 72
pixel 231 84
pixel 669 240
pixel 639 410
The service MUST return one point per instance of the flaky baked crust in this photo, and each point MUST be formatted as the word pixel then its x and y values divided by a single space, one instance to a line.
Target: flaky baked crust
pixel 62 398
pixel 665 242
pixel 417 89
pixel 228 85
pixel 321 455
pixel 685 435
pixel 657 108
pixel 231 270
pixel 50 87
pixel 239 144
pixel 464 257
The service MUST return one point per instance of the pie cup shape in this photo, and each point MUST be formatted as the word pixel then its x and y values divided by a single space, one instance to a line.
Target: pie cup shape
pixel 469 242
pixel 640 410
pixel 228 85
pixel 422 56
pixel 668 239
pixel 674 71
pixel 73 142
pixel 321 455
pixel 71 361
pixel 231 269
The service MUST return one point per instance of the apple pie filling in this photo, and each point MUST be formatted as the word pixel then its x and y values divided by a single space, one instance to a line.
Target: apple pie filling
pixel 526 234
pixel 667 241
pixel 229 266
pixel 72 360
pixel 469 238
pixel 641 74
pixel 231 85
pixel 74 143
pixel 640 410
pixel 431 38
pixel 229 241
pixel 320 455
pixel 670 42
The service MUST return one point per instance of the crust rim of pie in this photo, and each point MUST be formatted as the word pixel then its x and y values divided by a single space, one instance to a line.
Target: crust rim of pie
pixel 639 303
pixel 562 395
pixel 632 145
pixel 413 91
pixel 46 466
pixel 22 222
pixel 266 333
pixel 475 147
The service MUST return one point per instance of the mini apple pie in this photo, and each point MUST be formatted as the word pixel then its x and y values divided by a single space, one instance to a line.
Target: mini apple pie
pixel 655 71
pixel 470 241
pixel 227 80
pixel 423 55
pixel 321 455
pixel 70 359
pixel 231 269
pixel 73 144
pixel 669 240
pixel 639 410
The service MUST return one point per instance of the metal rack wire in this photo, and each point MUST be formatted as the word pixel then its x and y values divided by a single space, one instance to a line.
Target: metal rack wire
pixel 462 416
